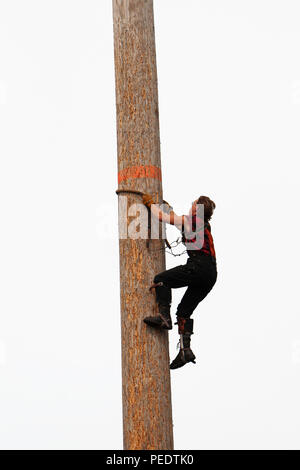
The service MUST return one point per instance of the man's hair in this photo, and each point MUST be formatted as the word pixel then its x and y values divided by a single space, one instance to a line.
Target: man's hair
pixel 209 207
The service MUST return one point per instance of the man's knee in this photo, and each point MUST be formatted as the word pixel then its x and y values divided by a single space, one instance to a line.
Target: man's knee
pixel 183 313
pixel 157 278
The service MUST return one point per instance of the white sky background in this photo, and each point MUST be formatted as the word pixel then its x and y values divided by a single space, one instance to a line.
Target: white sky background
pixel 229 95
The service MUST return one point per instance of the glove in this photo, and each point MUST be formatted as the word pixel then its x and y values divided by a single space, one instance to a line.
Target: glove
pixel 148 200
pixel 167 207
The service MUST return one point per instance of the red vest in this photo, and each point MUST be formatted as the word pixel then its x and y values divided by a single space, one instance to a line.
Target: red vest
pixel 201 238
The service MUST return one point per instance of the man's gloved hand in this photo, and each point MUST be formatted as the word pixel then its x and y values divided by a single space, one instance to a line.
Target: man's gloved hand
pixel 148 200
pixel 167 207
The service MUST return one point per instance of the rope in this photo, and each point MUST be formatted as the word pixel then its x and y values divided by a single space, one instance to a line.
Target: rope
pixel 139 193
pixel 133 191
pixel 169 245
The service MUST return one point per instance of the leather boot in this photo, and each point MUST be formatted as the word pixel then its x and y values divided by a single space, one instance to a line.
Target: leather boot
pixel 162 320
pixel 185 355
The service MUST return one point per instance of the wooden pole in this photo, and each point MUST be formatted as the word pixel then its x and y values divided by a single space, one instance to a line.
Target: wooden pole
pixel 147 412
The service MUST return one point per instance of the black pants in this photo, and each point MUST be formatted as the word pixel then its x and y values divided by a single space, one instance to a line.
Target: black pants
pixel 199 274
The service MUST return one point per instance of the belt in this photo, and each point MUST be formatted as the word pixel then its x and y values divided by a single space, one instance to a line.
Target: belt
pixel 196 254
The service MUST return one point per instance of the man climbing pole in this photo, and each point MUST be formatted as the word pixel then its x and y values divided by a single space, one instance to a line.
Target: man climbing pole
pixel 199 274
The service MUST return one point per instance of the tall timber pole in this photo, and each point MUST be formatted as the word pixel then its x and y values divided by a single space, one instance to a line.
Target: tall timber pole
pixel 147 411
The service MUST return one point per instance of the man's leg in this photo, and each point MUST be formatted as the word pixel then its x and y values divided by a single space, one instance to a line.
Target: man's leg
pixel 192 297
pixel 163 283
pixel 190 300
pixel 185 355
pixel 173 278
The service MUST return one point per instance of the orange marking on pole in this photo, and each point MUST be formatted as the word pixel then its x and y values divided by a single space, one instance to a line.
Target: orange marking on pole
pixel 142 171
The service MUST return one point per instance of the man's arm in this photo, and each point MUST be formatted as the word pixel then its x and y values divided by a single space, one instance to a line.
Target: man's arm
pixel 171 218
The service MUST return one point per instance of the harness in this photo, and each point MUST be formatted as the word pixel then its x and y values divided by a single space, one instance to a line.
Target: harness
pixel 206 245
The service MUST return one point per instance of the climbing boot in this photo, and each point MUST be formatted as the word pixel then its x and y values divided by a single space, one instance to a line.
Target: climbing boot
pixel 185 355
pixel 162 320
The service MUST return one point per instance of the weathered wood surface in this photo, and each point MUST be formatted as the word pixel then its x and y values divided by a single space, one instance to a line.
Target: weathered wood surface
pixel 147 412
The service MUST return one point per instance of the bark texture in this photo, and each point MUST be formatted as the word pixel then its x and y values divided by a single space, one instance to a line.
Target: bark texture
pixel 147 412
